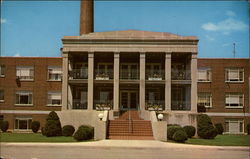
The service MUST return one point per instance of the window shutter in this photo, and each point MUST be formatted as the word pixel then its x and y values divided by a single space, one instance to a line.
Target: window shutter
pixel 233 74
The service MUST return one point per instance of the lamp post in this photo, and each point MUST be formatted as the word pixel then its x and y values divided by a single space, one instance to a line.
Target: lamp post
pixel 100 116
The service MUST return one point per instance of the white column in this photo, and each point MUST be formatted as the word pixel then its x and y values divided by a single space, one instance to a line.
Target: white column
pixel 70 97
pixel 65 82
pixel 168 81
pixel 142 81
pixel 116 81
pixel 194 82
pixel 90 80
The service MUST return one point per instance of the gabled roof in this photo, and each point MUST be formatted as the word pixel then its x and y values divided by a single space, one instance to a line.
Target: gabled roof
pixel 133 34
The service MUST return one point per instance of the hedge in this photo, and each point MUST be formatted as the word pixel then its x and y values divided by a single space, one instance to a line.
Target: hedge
pixel 68 130
pixel 190 131
pixel 35 125
pixel 84 132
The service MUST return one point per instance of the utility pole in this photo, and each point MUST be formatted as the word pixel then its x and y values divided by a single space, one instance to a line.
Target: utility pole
pixel 234 50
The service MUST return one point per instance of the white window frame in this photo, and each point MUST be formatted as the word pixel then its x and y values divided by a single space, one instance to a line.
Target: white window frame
pixel 208 73
pixel 25 78
pixel 2 70
pixel 234 94
pixel 48 98
pixel 2 100
pixel 227 72
pixel 234 121
pixel 50 71
pixel 24 92
pixel 206 95
pixel 22 118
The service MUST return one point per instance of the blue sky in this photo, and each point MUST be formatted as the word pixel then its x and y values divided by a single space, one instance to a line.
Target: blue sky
pixel 35 28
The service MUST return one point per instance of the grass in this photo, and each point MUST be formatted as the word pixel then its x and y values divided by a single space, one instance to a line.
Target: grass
pixel 222 140
pixel 32 137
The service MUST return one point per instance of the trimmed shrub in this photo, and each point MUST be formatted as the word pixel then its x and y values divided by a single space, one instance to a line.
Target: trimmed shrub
pixel 248 129
pixel 171 130
pixel 84 132
pixel 68 130
pixel 52 125
pixel 35 125
pixel 206 130
pixel 4 126
pixel 219 128
pixel 190 131
pixel 180 135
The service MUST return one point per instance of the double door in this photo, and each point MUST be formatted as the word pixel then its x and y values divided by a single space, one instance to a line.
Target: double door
pixel 128 100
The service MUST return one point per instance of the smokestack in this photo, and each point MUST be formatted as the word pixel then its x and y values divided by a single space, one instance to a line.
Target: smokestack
pixel 86 17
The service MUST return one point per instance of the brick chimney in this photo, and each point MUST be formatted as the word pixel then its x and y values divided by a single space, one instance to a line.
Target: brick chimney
pixel 86 17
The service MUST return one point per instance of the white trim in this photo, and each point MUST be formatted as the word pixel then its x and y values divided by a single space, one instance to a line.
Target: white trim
pixel 24 112
pixel 228 114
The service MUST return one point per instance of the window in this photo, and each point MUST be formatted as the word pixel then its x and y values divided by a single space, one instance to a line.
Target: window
pixel 234 75
pixel 24 98
pixel 204 75
pixel 234 126
pixel 25 72
pixel 234 100
pixel 104 96
pixel 54 98
pixel 23 123
pixel 1 95
pixel 205 99
pixel 2 70
pixel 104 71
pixel 54 73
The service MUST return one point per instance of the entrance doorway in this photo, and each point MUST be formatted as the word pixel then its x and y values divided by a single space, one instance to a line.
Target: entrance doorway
pixel 128 100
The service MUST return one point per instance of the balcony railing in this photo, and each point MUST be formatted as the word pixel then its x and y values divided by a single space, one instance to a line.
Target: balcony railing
pixel 103 104
pixel 155 75
pixel 78 74
pixel 180 74
pixel 180 105
pixel 104 74
pixel 129 74
pixel 78 104
pixel 155 105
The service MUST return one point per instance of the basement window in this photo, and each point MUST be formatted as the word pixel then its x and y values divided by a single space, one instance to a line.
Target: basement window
pixel 23 123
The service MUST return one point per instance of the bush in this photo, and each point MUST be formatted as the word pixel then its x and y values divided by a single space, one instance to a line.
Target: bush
pixel 52 125
pixel 248 129
pixel 219 128
pixel 171 130
pixel 180 136
pixel 68 130
pixel 206 130
pixel 35 125
pixel 190 131
pixel 84 132
pixel 4 126
pixel 173 125
pixel 43 132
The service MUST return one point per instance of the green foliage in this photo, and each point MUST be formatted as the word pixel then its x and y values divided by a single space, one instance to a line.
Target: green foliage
pixel 43 132
pixel 68 130
pixel 173 125
pixel 35 125
pixel 206 130
pixel 52 125
pixel 171 130
pixel 190 131
pixel 248 129
pixel 84 132
pixel 4 126
pixel 219 128
pixel 180 136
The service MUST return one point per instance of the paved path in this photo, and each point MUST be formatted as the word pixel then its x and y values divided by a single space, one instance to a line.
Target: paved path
pixel 119 149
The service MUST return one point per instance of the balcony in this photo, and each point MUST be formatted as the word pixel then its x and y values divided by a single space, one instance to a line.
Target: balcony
pixel 180 105
pixel 103 104
pixel 155 105
pixel 78 74
pixel 79 104
pixel 104 74
pixel 129 74
pixel 155 75
pixel 180 74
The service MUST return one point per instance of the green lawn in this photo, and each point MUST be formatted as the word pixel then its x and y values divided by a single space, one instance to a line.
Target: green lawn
pixel 32 137
pixel 223 140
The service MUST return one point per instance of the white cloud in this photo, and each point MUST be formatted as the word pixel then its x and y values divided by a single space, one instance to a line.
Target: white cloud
pixel 226 26
pixel 17 55
pixel 210 38
pixel 3 20
pixel 226 44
